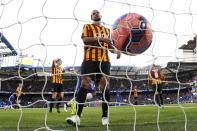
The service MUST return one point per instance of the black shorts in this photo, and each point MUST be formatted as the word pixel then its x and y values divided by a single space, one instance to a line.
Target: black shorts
pixel 135 97
pixel 158 87
pixel 88 67
pixel 56 87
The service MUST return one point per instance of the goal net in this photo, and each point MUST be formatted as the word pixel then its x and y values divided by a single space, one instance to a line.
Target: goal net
pixel 43 30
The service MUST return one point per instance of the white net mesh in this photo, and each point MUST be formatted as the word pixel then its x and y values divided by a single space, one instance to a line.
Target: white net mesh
pixel 46 29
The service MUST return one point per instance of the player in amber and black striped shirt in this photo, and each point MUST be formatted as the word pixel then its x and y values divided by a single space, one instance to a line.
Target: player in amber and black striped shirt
pixel 18 93
pixel 57 89
pixel 19 90
pixel 97 42
pixel 135 95
pixel 155 79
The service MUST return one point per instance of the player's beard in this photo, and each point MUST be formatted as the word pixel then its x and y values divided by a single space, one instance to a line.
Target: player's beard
pixel 97 21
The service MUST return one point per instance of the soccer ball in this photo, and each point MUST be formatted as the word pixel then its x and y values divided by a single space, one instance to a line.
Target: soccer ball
pixel 132 34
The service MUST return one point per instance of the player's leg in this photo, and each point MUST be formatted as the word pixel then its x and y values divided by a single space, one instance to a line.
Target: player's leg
pixel 156 94
pixel 72 102
pixel 104 85
pixel 81 95
pixel 53 97
pixel 135 100
pixel 160 94
pixel 80 98
pixel 91 93
pixel 60 97
pixel 86 68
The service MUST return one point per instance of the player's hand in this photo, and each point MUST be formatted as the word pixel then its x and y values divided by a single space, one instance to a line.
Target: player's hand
pixel 118 53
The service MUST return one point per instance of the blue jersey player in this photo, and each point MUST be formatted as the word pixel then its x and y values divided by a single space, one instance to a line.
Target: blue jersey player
pixel 91 93
pixel 91 90
pixel 11 100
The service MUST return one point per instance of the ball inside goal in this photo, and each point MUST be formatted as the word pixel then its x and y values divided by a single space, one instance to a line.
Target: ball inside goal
pixel 132 33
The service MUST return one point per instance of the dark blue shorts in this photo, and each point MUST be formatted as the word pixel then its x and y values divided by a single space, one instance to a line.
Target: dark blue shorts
pixel 56 87
pixel 88 67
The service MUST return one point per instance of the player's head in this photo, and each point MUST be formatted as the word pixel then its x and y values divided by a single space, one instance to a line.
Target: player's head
pixel 95 16
pixel 59 61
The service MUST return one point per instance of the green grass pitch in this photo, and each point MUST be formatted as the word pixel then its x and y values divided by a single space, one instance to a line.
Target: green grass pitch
pixel 121 119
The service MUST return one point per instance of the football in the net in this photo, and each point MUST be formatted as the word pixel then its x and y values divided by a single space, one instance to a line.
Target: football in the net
pixel 132 33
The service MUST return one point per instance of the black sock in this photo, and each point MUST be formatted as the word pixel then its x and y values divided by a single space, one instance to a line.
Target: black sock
pixel 51 103
pixel 58 104
pixel 157 99
pixel 80 98
pixel 104 104
pixel 161 99
pixel 135 103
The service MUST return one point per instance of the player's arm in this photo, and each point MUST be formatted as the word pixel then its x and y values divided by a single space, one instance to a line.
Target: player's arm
pixel 89 39
pixel 94 41
pixel 114 50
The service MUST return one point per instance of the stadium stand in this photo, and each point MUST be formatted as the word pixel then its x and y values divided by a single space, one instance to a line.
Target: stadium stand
pixel 34 84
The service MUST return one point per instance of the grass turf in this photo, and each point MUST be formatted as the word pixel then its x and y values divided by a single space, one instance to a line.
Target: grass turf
pixel 171 118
